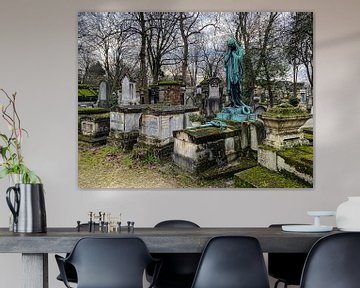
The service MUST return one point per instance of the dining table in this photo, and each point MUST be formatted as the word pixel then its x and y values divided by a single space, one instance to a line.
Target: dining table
pixel 35 247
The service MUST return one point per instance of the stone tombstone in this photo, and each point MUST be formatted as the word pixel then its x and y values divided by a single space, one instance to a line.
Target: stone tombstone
pixel 214 88
pixel 116 121
pixel 102 91
pixel 103 99
pixel 128 93
pixel 303 98
pixel 94 128
pixel 213 101
pixel 212 151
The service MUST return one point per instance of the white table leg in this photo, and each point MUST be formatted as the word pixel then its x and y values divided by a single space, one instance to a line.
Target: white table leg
pixel 35 270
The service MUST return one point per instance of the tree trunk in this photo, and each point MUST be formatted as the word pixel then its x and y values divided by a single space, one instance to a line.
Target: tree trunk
pixel 295 73
pixel 184 37
pixel 272 18
pixel 268 85
pixel 142 54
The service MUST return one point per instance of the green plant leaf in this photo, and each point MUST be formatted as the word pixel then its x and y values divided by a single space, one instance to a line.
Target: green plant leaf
pixel 3 151
pixel 4 137
pixel 4 173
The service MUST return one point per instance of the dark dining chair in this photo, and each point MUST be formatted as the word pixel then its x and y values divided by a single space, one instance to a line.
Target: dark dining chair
pixel 286 267
pixel 333 262
pixel 178 269
pixel 70 271
pixel 232 262
pixel 108 263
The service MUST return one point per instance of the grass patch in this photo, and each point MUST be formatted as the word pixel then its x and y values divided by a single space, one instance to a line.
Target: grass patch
pixel 112 167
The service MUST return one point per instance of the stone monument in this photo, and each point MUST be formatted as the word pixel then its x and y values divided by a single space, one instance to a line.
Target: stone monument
pixel 221 145
pixel 103 97
pixel 214 100
pixel 128 92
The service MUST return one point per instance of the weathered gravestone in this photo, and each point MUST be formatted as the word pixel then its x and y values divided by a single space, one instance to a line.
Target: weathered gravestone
pixel 211 151
pixel 103 98
pixel 94 125
pixel 168 93
pixel 128 92
pixel 214 100
pixel 124 125
pixel 158 124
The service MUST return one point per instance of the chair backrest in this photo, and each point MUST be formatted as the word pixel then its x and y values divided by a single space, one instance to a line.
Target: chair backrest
pixel 176 224
pixel 333 262
pixel 232 262
pixel 286 267
pixel 110 262
pixel 178 269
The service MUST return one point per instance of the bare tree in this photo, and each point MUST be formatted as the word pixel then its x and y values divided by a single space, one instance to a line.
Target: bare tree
pixel 140 28
pixel 161 41
pixel 302 38
pixel 106 35
pixel 265 54
pixel 191 24
pixel 259 34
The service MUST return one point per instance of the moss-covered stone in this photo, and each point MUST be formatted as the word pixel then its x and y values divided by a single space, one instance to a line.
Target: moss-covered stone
pixel 94 141
pixel 209 134
pixel 100 116
pixel 86 94
pixel 228 170
pixel 301 158
pixel 309 137
pixel 89 111
pixel 269 148
pixel 260 177
pixel 306 149
pixel 285 111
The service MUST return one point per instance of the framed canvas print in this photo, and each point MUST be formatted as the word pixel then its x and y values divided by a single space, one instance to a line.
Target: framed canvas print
pixel 195 100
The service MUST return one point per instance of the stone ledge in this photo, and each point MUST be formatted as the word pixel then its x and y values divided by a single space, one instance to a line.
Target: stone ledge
pixel 300 157
pixel 297 161
pixel 260 177
pixel 95 141
pixel 229 170
pixel 206 134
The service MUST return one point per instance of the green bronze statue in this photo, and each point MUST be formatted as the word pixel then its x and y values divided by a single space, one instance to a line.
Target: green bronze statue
pixel 238 110
pixel 234 71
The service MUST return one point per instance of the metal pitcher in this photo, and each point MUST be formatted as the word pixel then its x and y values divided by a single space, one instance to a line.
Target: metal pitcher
pixel 27 207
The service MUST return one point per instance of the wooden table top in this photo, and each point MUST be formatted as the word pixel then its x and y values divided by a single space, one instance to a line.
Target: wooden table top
pixel 158 240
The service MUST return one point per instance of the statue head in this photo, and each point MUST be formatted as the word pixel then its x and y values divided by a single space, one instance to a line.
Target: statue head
pixel 231 43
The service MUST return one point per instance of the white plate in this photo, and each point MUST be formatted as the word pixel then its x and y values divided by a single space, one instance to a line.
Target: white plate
pixel 306 228
pixel 321 213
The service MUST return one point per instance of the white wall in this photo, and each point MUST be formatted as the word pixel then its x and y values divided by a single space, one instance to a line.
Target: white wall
pixel 38 59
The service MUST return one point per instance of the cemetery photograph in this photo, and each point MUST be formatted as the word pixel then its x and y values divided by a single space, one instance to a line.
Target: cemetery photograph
pixel 195 100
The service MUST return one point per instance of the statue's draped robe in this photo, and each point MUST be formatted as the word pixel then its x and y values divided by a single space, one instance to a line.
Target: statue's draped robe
pixel 234 71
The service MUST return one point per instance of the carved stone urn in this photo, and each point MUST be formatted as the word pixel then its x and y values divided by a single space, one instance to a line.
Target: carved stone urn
pixel 283 123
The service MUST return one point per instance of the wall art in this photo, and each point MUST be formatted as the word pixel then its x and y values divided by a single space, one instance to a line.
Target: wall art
pixel 195 100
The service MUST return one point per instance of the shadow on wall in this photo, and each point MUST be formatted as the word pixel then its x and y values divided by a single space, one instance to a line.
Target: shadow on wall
pixel 339 40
